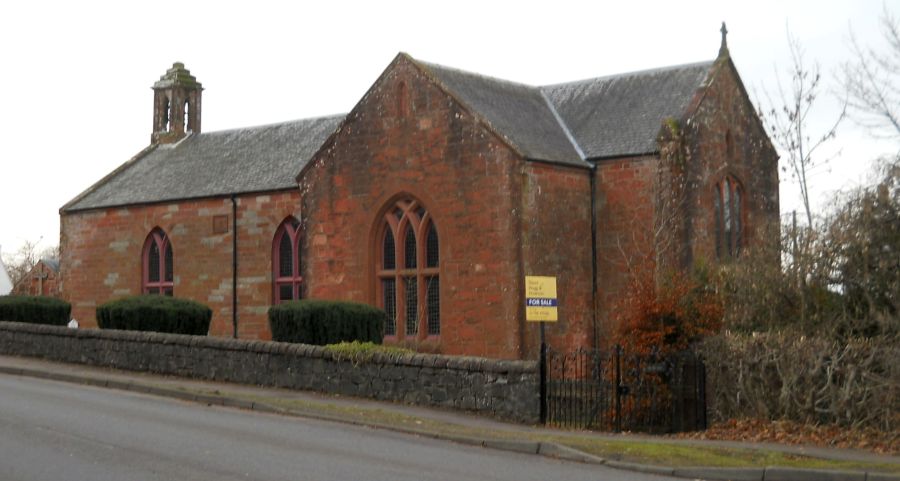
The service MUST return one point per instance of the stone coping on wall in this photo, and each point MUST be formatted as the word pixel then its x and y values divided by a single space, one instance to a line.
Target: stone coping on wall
pixel 510 386
pixel 464 363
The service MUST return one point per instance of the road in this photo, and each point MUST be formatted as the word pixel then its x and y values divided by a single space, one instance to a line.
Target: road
pixel 53 431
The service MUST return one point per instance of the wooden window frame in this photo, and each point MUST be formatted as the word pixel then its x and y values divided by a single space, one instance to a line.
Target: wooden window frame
pixel 413 216
pixel 158 238
pixel 289 227
pixel 730 217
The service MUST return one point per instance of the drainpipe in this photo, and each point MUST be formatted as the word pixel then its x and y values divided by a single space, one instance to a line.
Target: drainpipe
pixel 234 268
pixel 593 174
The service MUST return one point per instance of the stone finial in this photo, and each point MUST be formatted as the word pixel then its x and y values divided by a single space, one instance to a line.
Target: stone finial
pixel 723 50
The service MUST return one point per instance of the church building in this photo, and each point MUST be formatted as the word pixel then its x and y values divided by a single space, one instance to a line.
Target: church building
pixel 433 198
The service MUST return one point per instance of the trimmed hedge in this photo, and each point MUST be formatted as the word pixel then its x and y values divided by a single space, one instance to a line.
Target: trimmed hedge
pixel 784 375
pixel 155 313
pixel 35 310
pixel 326 322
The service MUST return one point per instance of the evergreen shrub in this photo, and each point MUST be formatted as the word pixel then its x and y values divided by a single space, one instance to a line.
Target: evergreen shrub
pixel 321 322
pixel 35 310
pixel 155 313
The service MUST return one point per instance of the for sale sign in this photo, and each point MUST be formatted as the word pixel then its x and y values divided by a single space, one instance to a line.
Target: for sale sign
pixel 540 299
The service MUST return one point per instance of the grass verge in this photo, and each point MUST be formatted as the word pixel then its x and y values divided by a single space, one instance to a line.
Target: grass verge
pixel 643 451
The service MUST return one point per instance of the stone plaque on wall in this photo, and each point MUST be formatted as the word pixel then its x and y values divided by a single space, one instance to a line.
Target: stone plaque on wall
pixel 220 224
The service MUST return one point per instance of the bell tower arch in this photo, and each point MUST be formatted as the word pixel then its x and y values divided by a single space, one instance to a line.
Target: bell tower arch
pixel 176 105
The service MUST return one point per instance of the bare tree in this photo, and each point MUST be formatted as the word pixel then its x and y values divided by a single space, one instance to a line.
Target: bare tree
pixel 872 81
pixel 787 119
pixel 863 239
pixel 19 264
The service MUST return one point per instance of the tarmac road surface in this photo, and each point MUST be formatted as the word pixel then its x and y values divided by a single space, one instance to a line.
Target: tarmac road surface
pixel 58 431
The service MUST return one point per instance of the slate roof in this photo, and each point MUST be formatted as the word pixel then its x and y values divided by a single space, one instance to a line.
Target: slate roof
pixel 520 113
pixel 211 164
pixel 621 115
pixel 618 115
pixel 52 263
pixel 568 123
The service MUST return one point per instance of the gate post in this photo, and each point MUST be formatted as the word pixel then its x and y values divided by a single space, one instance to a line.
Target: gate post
pixel 702 394
pixel 618 389
pixel 543 374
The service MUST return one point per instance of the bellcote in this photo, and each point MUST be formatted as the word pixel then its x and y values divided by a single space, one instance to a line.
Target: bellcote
pixel 176 105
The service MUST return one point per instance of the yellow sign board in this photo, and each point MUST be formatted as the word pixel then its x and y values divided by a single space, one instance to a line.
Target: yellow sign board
pixel 540 299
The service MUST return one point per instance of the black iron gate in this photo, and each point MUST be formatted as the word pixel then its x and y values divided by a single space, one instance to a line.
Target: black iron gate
pixel 619 391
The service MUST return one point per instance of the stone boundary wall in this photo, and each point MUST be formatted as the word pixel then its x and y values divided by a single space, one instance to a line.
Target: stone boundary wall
pixel 502 389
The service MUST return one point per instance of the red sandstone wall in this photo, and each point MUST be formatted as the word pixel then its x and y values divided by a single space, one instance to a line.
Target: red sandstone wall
pixel 659 211
pixel 625 197
pixel 498 217
pixel 556 241
pixel 753 161
pixel 101 256
pixel 417 140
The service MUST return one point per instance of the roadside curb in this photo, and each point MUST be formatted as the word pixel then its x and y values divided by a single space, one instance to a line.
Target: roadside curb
pixel 547 449
pixel 560 451
pixel 723 474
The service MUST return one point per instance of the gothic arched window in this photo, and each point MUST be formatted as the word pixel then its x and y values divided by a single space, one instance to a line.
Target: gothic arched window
pixel 286 262
pixel 187 116
pixel 402 100
pixel 408 271
pixel 166 121
pixel 158 264
pixel 728 206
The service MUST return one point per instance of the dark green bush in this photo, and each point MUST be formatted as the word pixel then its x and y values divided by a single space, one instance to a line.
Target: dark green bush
pixel 35 310
pixel 326 322
pixel 155 313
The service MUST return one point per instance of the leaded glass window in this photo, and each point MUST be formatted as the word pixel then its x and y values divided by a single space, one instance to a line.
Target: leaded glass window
pixel 407 271
pixel 286 273
pixel 412 305
pixel 158 265
pixel 433 301
pixel 389 303
pixel 390 256
pixel 432 253
pixel 729 222
pixel 409 249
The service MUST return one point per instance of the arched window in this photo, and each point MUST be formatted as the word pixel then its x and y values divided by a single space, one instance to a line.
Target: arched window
pixel 166 121
pixel 286 262
pixel 728 206
pixel 187 114
pixel 157 261
pixel 408 271
pixel 402 100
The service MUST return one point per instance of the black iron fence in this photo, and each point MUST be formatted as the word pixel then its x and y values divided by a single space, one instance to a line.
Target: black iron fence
pixel 619 391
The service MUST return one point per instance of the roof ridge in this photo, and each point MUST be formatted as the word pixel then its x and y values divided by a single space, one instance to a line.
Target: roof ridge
pixel 524 92
pixel 210 165
pixel 428 69
pixel 476 74
pixel 272 124
pixel 108 177
pixel 634 73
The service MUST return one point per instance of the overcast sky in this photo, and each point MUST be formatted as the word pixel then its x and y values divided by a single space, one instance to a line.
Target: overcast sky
pixel 76 76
